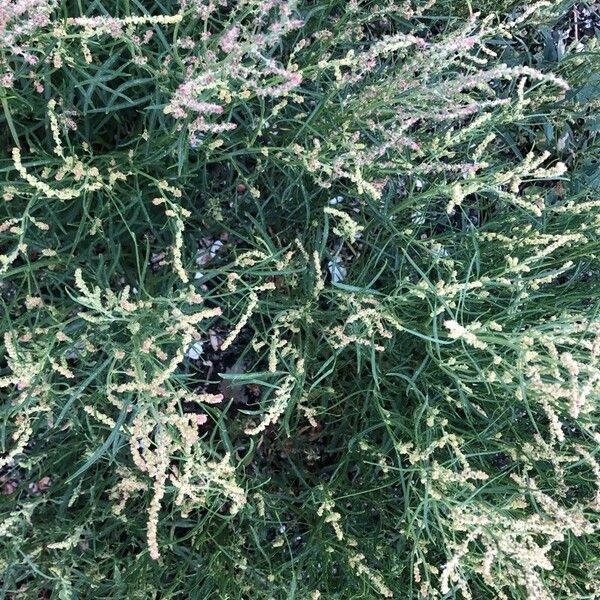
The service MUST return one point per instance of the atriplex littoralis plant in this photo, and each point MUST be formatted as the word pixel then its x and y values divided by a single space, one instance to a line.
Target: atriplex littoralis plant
pixel 403 279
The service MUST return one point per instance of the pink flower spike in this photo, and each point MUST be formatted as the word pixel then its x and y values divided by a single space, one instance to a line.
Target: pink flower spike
pixel 201 419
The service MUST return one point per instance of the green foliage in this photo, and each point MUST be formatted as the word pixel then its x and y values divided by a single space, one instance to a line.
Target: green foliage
pixel 299 300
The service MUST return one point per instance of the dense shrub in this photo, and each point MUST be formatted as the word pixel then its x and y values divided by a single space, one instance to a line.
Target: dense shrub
pixel 299 299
